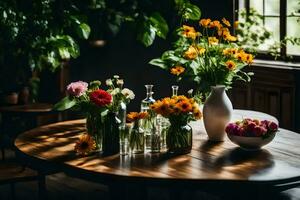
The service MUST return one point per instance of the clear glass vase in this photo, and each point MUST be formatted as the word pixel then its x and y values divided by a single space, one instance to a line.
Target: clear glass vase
pixel 94 128
pixel 137 139
pixel 179 138
pixel 123 132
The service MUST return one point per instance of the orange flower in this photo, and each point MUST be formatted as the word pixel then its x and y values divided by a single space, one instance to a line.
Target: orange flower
pixel 85 144
pixel 226 22
pixel 134 116
pixel 230 65
pixel 229 37
pixel 236 24
pixel 213 41
pixel 223 31
pixel 215 24
pixel 185 106
pixel 204 22
pixel 189 32
pixel 191 53
pixel 197 113
pixel 177 70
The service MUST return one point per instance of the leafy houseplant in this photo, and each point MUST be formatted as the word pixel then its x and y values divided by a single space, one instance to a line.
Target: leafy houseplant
pixel 210 57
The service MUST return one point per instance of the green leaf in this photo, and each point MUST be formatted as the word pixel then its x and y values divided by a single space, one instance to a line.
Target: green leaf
pixel 83 30
pixel 146 34
pixel 159 63
pixel 191 12
pixel 64 53
pixel 64 104
pixel 160 24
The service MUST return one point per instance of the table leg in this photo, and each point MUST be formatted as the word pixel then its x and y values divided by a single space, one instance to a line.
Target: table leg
pixel 126 191
pixel 42 191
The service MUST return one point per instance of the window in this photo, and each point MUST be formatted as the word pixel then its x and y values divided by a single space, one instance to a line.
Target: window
pixel 281 17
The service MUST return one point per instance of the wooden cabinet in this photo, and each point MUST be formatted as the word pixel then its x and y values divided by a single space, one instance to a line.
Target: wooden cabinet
pixel 272 90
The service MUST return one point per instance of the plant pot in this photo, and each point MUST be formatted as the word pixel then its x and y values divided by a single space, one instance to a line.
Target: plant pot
pixel 217 113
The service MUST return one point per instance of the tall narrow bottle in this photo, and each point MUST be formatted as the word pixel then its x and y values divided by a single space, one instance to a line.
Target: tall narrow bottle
pixel 152 139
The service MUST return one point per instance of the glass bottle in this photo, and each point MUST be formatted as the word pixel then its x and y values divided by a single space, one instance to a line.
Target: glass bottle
pixel 124 148
pixel 149 124
pixel 174 90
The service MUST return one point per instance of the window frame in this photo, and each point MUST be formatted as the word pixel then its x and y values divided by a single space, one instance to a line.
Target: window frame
pixel 282 30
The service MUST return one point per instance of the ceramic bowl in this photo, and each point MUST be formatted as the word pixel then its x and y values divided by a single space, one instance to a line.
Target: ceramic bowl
pixel 250 143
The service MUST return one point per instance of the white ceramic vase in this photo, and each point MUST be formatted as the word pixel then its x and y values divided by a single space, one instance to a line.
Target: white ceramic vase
pixel 217 113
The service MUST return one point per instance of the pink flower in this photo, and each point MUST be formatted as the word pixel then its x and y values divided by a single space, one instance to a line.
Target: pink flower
pixel 77 88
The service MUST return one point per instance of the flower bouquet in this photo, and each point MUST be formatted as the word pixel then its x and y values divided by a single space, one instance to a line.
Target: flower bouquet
pixel 208 57
pixel 251 134
pixel 179 110
pixel 105 110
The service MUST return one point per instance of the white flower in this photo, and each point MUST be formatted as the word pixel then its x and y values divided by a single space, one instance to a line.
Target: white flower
pixel 190 92
pixel 108 82
pixel 120 82
pixel 128 93
pixel 115 91
pixel 116 76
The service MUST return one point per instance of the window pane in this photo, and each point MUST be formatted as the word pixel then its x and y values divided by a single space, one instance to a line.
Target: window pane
pixel 272 24
pixel 293 28
pixel 272 7
pixel 292 6
pixel 257 5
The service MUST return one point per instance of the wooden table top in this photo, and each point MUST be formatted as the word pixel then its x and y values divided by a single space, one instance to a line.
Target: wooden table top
pixel 28 108
pixel 277 163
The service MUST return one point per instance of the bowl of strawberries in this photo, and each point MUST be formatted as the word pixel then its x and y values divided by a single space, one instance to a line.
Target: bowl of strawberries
pixel 251 134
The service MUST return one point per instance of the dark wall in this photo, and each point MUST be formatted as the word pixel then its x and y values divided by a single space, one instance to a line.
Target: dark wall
pixel 124 56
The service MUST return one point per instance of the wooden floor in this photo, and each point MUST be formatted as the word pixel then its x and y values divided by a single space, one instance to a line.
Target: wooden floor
pixel 62 187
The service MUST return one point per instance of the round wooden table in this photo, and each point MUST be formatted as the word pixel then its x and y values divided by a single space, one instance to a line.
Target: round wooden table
pixel 211 166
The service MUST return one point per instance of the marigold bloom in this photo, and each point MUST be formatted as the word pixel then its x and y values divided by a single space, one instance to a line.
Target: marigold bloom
pixel 213 41
pixel 100 97
pixel 185 106
pixel 191 53
pixel 177 70
pixel 204 22
pixel 226 22
pixel 230 65
pixel 189 32
pixel 85 144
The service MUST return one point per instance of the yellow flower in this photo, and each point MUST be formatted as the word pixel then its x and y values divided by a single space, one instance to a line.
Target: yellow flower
pixel 248 58
pixel 201 50
pixel 85 144
pixel 213 41
pixel 191 53
pixel 230 65
pixel 189 32
pixel 229 37
pixel 236 24
pixel 197 114
pixel 230 51
pixel 226 22
pixel 177 70
pixel 215 24
pixel 204 22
